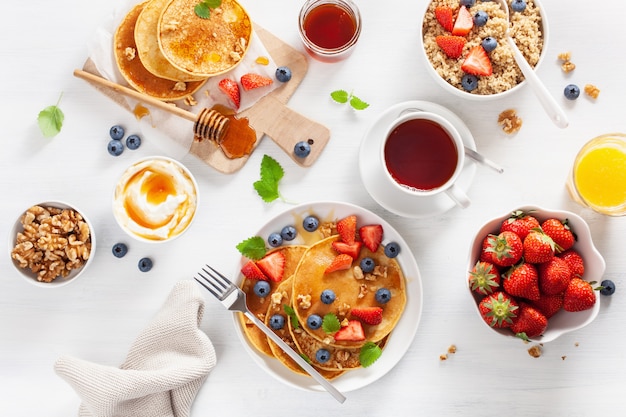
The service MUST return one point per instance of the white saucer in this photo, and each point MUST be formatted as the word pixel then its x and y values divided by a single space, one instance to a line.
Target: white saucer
pixel 372 173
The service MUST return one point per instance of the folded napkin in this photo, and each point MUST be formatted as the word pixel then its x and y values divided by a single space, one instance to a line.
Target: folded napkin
pixel 165 367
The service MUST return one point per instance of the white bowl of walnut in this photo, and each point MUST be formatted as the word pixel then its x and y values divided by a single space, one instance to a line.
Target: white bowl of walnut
pixel 51 244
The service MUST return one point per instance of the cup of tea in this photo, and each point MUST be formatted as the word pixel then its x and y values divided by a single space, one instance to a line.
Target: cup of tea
pixel 423 155
pixel 329 29
pixel 598 176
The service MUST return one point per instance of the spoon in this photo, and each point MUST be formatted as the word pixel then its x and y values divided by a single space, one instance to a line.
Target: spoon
pixel 555 112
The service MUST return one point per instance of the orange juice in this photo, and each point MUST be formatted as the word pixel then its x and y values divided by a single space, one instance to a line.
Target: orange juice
pixel 598 178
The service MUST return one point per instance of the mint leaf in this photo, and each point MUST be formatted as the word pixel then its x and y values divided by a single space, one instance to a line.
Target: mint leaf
pixel 50 120
pixel 343 97
pixel 202 10
pixel 292 316
pixel 271 174
pixel 340 96
pixel 370 352
pixel 358 104
pixel 252 248
pixel 330 323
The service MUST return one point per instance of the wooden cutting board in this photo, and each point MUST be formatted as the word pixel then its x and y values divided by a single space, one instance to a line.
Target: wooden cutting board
pixel 270 116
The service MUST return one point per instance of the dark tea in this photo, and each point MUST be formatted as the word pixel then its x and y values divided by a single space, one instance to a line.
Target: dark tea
pixel 420 155
pixel 329 26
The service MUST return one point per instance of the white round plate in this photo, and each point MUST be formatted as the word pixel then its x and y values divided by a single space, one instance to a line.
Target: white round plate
pixel 372 173
pixel 401 337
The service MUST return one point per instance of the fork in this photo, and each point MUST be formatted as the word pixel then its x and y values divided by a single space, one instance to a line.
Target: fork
pixel 234 299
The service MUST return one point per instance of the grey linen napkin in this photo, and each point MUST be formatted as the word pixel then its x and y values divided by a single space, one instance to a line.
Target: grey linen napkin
pixel 165 367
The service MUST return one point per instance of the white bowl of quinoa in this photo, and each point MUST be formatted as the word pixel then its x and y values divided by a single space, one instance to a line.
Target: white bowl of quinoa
pixel 528 29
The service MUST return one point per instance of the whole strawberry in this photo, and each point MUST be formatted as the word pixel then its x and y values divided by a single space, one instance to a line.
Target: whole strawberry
pixel 560 233
pixel 549 305
pixel 484 278
pixel 522 280
pixel 530 322
pixel 574 261
pixel 579 296
pixel 538 247
pixel 506 248
pixel 498 310
pixel 520 223
pixel 485 253
pixel 554 276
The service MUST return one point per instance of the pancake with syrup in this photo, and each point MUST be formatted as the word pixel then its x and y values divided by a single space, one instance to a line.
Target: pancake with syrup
pixel 132 69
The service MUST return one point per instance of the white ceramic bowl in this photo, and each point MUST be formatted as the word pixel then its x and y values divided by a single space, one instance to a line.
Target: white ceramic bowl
pixel 31 277
pixel 563 321
pixel 482 97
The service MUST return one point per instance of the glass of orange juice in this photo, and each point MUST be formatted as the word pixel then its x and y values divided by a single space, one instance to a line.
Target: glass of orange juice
pixel 598 178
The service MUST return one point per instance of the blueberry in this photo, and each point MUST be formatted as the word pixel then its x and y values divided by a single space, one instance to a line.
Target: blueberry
pixel 283 74
pixel 518 5
pixel 133 142
pixel 115 147
pixel 392 249
pixel 489 44
pixel 571 92
pixel 480 18
pixel 145 264
pixel 302 149
pixel 262 288
pixel 468 3
pixel 116 132
pixel 288 233
pixel 277 322
pixel 275 240
pixel 310 223
pixel 327 296
pixel 314 322
pixel 322 356
pixel 469 82
pixel 608 287
pixel 367 265
pixel 119 250
pixel 383 295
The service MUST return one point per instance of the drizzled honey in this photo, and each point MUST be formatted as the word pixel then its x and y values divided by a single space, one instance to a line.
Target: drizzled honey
pixel 240 137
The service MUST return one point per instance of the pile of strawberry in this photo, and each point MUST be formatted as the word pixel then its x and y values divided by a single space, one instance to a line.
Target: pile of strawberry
pixel 527 272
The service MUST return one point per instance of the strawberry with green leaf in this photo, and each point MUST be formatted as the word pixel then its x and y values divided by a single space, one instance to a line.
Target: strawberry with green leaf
pixel 506 248
pixel 498 310
pixel 522 280
pixel 520 223
pixel 538 247
pixel 530 322
pixel 484 278
pixel 574 261
pixel 579 296
pixel 560 233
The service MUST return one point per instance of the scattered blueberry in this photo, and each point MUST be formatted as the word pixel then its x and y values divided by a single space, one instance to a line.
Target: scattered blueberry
pixel 288 233
pixel 314 322
pixel 480 18
pixel 608 287
pixel 383 295
pixel 277 322
pixel 322 356
pixel 367 265
pixel 115 147
pixel 489 44
pixel 275 240
pixel 310 223
pixel 116 132
pixel 119 250
pixel 518 5
pixel 145 264
pixel 283 74
pixel 468 3
pixel 327 296
pixel 469 82
pixel 133 142
pixel 262 288
pixel 392 249
pixel 302 149
pixel 571 92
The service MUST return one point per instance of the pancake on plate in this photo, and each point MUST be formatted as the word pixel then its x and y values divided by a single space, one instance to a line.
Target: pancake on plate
pixel 204 47
pixel 132 69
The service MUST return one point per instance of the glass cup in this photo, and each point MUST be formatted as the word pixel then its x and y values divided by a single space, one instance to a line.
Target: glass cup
pixel 598 177
pixel 329 29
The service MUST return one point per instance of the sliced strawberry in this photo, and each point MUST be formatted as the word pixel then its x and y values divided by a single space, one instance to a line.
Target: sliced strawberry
pixel 452 45
pixel 340 263
pixel 477 62
pixel 273 265
pixel 445 17
pixel 352 250
pixel 251 271
pixel 231 89
pixel 371 235
pixel 346 228
pixel 464 22
pixel 368 315
pixel 250 81
pixel 353 332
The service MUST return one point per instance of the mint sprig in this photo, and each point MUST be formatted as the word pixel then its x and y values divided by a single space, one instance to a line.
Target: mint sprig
pixel 330 323
pixel 370 352
pixel 252 248
pixel 343 97
pixel 203 9
pixel 51 119
pixel 271 174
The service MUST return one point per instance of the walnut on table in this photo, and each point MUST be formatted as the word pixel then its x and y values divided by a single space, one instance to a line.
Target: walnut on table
pixel 510 121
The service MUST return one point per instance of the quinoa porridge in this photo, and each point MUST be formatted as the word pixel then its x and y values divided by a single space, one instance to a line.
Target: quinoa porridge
pixel 503 73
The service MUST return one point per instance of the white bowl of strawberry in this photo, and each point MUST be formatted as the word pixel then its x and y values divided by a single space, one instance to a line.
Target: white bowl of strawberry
pixel 465 46
pixel 535 273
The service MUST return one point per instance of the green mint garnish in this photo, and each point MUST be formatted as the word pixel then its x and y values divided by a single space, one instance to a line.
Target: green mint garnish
pixel 343 97
pixel 252 248
pixel 50 120
pixel 292 316
pixel 271 174
pixel 370 352
pixel 203 9
pixel 330 323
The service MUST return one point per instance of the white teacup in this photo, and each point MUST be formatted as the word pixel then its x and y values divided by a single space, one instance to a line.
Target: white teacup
pixel 423 155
